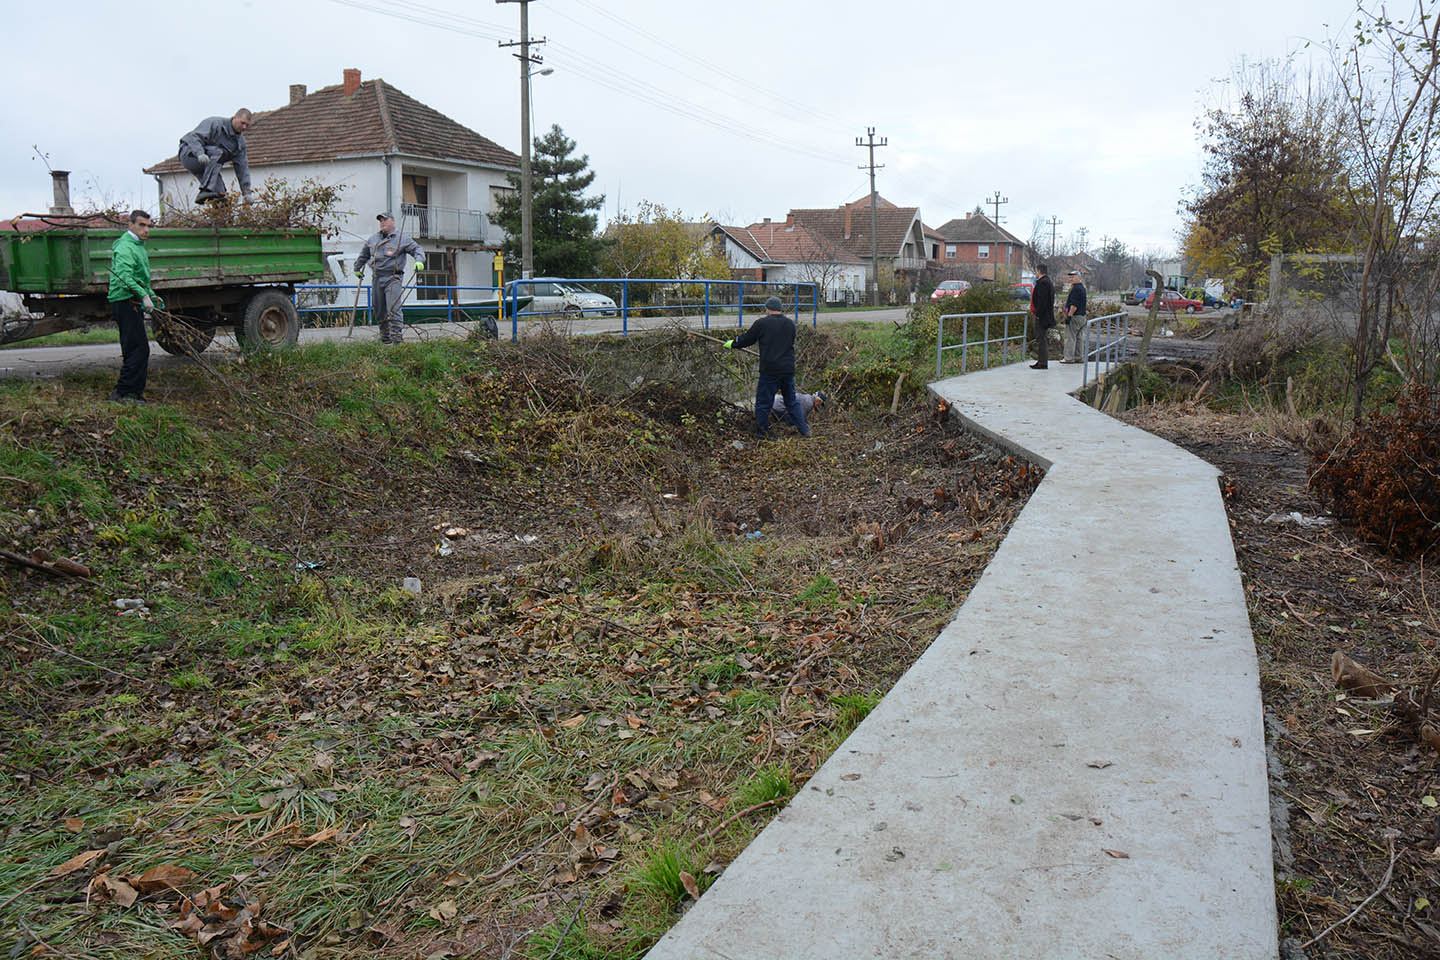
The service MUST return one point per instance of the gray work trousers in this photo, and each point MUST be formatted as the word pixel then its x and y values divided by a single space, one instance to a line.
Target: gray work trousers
pixel 386 307
pixel 1070 333
pixel 206 169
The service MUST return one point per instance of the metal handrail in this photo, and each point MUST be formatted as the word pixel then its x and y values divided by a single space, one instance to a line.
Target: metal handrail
pixel 363 308
pixel 758 290
pixel 1005 338
pixel 1114 326
pixel 743 294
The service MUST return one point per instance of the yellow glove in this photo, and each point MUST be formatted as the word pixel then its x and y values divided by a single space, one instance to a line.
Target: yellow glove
pixel 729 344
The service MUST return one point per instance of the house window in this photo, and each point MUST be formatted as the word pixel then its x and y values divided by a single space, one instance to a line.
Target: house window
pixel 496 193
pixel 982 251
pixel 949 251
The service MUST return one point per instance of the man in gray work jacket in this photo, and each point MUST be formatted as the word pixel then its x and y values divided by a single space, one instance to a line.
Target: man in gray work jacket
pixel 214 143
pixel 388 249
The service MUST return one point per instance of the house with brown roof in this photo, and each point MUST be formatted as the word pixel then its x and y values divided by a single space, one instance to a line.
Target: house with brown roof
pixel 899 232
pixel 981 245
pixel 390 152
pixel 788 252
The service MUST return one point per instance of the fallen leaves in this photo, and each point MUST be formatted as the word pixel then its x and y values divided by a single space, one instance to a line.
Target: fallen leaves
pixel 1117 854
pixel 687 881
pixel 162 877
pixel 77 862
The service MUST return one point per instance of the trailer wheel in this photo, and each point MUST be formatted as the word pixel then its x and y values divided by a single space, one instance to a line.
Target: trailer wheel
pixel 181 339
pixel 269 322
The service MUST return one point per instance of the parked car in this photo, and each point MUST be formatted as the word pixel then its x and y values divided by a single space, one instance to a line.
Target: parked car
pixel 950 288
pixel 1173 300
pixel 1136 296
pixel 554 295
pixel 1023 290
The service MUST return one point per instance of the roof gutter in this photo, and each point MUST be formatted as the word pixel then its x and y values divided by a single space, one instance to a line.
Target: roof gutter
pixel 389 186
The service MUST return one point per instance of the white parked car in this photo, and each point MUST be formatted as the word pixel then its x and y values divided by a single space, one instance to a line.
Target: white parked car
pixel 554 295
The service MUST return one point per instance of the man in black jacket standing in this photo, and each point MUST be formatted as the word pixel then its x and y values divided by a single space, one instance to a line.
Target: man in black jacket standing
pixel 775 333
pixel 1042 305
pixel 1074 319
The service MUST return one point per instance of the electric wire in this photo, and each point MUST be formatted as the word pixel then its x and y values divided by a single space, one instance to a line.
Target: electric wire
pixel 767 100
pixel 594 70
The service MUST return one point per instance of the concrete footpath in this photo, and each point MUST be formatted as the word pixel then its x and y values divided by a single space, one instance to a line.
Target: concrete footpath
pixel 1075 768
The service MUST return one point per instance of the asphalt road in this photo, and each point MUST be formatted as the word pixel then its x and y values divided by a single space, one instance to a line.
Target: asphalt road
pixel 39 362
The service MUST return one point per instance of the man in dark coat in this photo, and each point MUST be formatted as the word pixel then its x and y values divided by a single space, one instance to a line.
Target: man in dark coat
pixel 775 333
pixel 1042 305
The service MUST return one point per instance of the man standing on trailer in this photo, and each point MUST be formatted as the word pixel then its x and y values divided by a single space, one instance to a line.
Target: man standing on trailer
pixel 131 300
pixel 214 143
pixel 388 248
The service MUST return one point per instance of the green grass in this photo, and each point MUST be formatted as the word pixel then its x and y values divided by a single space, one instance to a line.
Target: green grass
pixel 851 709
pixel 69 338
pixel 660 873
pixel 773 781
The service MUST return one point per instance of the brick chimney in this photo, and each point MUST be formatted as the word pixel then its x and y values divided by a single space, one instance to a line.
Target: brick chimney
pixel 297 93
pixel 352 81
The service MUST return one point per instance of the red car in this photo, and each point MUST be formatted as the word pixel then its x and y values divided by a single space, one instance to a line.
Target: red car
pixel 1172 300
pixel 950 288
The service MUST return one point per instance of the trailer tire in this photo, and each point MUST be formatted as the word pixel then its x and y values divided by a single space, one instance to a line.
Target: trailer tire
pixel 181 339
pixel 269 322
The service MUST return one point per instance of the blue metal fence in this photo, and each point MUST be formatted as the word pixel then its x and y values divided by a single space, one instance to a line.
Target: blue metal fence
pixel 707 299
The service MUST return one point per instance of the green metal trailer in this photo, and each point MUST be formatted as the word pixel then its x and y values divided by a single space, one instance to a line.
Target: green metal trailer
pixel 217 277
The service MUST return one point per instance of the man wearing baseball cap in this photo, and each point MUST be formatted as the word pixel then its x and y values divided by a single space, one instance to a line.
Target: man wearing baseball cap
pixel 388 248
pixel 775 333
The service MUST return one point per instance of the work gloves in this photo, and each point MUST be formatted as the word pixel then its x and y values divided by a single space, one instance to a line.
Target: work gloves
pixel 359 274
pixel 147 304
pixel 729 344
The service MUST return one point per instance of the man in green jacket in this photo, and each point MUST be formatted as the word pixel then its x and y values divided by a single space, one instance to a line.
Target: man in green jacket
pixel 132 299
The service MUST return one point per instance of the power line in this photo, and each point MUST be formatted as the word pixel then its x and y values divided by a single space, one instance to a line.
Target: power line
pixel 996 201
pixel 591 69
pixel 803 109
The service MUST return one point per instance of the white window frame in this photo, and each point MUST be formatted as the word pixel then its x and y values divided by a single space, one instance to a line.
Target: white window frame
pixel 982 251
pixel 950 251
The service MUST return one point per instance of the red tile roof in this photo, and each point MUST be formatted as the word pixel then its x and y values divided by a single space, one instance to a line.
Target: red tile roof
pixel 793 243
pixel 976 228
pixel 379 118
pixel 892 226
pixel 41 222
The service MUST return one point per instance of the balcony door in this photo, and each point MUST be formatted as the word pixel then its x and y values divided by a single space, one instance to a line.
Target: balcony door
pixel 415 194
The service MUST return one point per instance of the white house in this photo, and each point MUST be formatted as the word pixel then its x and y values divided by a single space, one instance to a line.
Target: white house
pixel 390 152
pixel 789 253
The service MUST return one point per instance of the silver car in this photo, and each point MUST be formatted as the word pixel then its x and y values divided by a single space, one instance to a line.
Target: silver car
pixel 554 295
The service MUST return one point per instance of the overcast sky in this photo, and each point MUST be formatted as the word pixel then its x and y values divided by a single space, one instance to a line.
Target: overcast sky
pixel 738 110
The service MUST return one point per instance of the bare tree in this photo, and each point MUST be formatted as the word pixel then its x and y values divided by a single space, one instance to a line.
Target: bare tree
pixel 820 263
pixel 1388 69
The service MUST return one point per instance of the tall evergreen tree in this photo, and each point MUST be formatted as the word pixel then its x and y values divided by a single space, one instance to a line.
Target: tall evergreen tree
pixel 563 229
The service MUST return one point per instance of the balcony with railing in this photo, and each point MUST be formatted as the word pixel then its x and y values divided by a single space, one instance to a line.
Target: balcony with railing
pixel 429 222
pixel 909 263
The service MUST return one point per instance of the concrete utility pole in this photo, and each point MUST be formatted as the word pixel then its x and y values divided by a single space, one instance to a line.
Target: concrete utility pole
pixel 1084 232
pixel 995 201
pixel 1054 222
pixel 527 244
pixel 872 143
